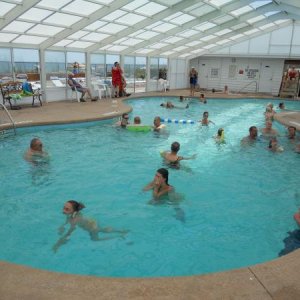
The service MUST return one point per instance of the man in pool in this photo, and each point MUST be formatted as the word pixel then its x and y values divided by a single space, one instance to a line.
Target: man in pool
pixel 74 217
pixel 268 131
pixel 157 124
pixel 35 152
pixel 251 138
pixel 124 121
pixel 159 185
pixel 172 158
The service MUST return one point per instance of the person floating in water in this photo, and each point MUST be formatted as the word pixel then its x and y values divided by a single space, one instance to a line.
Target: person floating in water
pixel 251 138
pixel 74 217
pixel 35 153
pixel 169 104
pixel 159 185
pixel 172 158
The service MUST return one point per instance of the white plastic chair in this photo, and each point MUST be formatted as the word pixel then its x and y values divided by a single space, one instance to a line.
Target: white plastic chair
pixel 76 94
pixel 100 88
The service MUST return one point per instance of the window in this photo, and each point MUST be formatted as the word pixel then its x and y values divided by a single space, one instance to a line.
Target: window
pixel 55 66
pixel 26 64
pixel 5 65
pixel 98 66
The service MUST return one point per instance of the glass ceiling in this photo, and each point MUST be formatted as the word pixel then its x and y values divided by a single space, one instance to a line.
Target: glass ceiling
pixel 170 28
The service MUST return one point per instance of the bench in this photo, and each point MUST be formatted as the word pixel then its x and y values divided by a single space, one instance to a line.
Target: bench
pixel 13 90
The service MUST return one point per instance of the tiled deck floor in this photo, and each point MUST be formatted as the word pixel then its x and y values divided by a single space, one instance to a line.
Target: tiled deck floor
pixel 278 279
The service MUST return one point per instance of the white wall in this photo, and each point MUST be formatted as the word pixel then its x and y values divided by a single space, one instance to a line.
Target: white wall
pixel 239 73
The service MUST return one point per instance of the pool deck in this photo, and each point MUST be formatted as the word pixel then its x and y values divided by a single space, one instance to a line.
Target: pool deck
pixel 278 279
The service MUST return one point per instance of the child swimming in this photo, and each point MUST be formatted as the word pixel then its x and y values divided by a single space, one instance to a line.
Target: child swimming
pixel 74 217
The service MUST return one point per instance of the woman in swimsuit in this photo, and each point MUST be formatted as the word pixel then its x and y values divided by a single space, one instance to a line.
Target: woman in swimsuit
pixel 159 185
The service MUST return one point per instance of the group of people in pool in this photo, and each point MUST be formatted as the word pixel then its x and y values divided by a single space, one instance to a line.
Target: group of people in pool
pixel 160 184
pixel 270 134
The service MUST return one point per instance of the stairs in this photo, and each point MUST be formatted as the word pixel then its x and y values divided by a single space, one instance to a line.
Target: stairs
pixel 289 88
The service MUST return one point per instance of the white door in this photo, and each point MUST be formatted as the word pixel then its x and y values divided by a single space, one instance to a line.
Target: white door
pixel 265 80
pixel 203 75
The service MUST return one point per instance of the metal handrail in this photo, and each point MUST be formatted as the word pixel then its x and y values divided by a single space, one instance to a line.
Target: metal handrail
pixel 10 117
pixel 248 85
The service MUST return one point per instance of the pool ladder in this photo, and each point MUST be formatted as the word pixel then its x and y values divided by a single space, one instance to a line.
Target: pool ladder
pixel 10 117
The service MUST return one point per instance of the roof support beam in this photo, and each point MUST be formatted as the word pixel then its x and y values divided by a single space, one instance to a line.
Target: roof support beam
pixel 218 28
pixel 158 17
pixel 20 9
pixel 202 19
pixel 98 14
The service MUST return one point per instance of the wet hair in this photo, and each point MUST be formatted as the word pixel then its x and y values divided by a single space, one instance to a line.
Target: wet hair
pixel 156 118
pixel 281 104
pixel 270 142
pixel 251 128
pixel 137 120
pixel 164 173
pixel 206 112
pixel 220 131
pixel 33 142
pixel 162 104
pixel 175 147
pixel 77 206
pixel 292 127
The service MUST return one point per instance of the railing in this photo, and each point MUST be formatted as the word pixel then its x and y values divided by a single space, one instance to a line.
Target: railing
pixel 10 117
pixel 256 86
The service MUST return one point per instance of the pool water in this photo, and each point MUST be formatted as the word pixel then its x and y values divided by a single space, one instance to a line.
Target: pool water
pixel 235 204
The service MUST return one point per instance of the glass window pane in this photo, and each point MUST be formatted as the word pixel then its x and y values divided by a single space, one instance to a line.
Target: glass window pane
pixel 76 63
pixel 55 66
pixel 129 73
pixel 26 61
pixel 140 74
pixel 98 66
pixel 5 65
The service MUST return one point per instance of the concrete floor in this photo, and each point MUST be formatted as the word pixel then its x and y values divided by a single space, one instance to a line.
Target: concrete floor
pixel 277 279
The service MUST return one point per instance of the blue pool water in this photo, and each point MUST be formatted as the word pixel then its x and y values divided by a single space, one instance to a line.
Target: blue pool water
pixel 235 207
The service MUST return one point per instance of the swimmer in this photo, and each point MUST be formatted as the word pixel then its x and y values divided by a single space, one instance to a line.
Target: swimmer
pixel 268 131
pixel 281 106
pixel 172 158
pixel 35 152
pixel 273 145
pixel 74 217
pixel 137 120
pixel 202 99
pixel 169 104
pixel 205 120
pixel 124 121
pixel 159 185
pixel 157 124
pixel 269 114
pixel 292 133
pixel 251 138
pixel 219 137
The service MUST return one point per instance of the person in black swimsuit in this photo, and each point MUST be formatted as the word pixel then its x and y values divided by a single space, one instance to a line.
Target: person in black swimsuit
pixel 172 158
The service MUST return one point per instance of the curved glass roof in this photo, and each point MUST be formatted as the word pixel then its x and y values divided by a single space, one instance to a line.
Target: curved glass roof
pixel 170 28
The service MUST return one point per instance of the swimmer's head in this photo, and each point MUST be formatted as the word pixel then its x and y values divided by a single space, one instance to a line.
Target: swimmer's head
pixel 156 121
pixel 137 120
pixel 205 114
pixel 175 147
pixel 162 104
pixel 181 98
pixel 253 131
pixel 220 131
pixel 164 173
pixel 36 144
pixel 72 206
